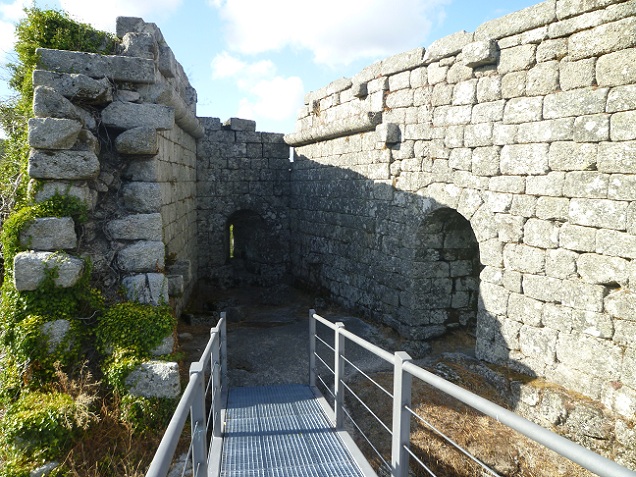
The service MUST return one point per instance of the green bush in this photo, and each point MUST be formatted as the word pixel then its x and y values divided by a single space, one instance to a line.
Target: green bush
pixel 43 425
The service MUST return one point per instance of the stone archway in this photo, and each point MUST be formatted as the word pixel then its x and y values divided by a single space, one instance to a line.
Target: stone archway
pixel 253 250
pixel 445 274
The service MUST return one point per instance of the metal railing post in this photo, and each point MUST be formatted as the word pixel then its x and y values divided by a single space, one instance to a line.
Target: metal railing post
pixel 339 367
pixel 223 347
pixel 197 423
pixel 217 370
pixel 312 348
pixel 401 418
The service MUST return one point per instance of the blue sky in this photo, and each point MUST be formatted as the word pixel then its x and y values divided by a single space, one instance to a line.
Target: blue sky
pixel 256 59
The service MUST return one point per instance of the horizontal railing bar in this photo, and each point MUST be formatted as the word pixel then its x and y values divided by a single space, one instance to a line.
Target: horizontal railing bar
pixel 369 410
pixel 167 447
pixel 355 424
pixel 576 453
pixel 325 364
pixel 419 461
pixel 324 321
pixel 451 441
pixel 376 350
pixel 326 386
pixel 369 378
pixel 325 343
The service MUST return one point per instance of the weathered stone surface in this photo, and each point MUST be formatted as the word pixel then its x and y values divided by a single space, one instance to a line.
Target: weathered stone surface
pixel 575 103
pixel 138 141
pixel 523 110
pixel 142 256
pixel 560 263
pixel 622 126
pixel 76 86
pixel 569 8
pixel 142 197
pixel 137 227
pixel 524 159
pixel 594 356
pixel 617 244
pixel 164 348
pixel 513 23
pixel 621 98
pixel 63 165
pixel 577 74
pixel 148 288
pixel 55 332
pixel 603 39
pixel 601 269
pixel 621 304
pixel 519 58
pixel 617 68
pixel 52 133
pixel 447 46
pixel 480 53
pixel 594 128
pixel 118 68
pixel 586 184
pixel 602 213
pixel 122 115
pixel 568 156
pixel 543 78
pixel 154 379
pixel 523 258
pixel 541 233
pixel 176 285
pixel 140 45
pixel 617 157
pixel 538 342
pixel 49 233
pixel 388 133
pixel 30 269
pixel 48 189
pixel 402 61
pixel 48 103
pixel 525 310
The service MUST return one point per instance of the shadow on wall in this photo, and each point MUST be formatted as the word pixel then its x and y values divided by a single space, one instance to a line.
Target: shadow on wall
pixel 416 263
pixel 254 252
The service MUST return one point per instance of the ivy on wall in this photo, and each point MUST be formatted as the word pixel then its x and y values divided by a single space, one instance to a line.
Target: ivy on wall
pixel 40 420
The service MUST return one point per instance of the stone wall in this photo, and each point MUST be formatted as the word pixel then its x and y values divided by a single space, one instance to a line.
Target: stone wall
pixel 521 135
pixel 243 177
pixel 121 136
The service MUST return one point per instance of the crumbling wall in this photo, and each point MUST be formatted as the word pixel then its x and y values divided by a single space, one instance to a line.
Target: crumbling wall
pixel 524 128
pixel 119 132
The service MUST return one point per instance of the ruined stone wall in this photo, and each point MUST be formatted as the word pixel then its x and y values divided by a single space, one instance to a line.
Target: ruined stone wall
pixel 243 175
pixel 119 132
pixel 521 134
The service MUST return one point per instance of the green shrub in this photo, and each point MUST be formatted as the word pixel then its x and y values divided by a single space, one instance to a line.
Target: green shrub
pixel 43 425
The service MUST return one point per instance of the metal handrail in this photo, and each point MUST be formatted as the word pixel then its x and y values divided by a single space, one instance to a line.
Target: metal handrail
pixel 213 362
pixel 403 373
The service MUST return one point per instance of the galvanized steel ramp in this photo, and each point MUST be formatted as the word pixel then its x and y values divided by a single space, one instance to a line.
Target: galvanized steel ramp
pixel 283 431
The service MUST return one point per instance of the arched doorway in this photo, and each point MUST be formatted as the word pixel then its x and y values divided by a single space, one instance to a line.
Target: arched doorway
pixel 254 250
pixel 446 270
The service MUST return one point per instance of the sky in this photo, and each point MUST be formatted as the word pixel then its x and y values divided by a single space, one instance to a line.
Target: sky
pixel 256 59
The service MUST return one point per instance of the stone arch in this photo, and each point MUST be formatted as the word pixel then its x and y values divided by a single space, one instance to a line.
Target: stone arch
pixel 445 271
pixel 253 249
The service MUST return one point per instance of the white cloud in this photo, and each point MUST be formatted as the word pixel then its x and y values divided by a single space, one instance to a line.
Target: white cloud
pixel 267 95
pixel 10 15
pixel 103 15
pixel 337 32
pixel 14 12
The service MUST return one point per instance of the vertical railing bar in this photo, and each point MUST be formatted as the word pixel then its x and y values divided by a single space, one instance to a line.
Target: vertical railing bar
pixel 401 437
pixel 312 348
pixel 216 379
pixel 223 346
pixel 339 364
pixel 197 420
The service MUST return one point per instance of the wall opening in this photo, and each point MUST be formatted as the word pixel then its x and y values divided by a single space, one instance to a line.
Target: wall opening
pixel 446 274
pixel 253 250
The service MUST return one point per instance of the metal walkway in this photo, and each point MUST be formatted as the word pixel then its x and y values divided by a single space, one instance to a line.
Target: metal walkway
pixel 277 431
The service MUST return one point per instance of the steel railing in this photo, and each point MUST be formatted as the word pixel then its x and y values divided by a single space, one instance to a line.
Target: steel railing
pixel 204 401
pixel 403 373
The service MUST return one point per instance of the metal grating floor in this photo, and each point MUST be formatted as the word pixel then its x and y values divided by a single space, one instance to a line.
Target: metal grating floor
pixel 281 431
